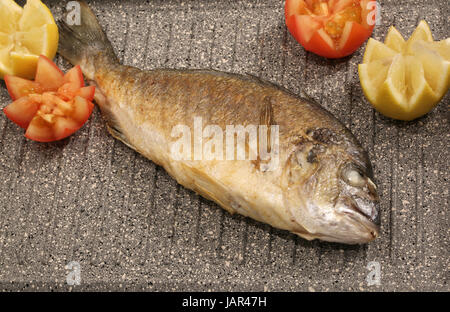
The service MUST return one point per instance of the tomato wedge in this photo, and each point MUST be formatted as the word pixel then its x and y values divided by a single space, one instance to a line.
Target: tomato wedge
pixel 53 106
pixel 87 92
pixel 48 75
pixel 22 111
pixel 330 28
pixel 72 82
pixel 19 87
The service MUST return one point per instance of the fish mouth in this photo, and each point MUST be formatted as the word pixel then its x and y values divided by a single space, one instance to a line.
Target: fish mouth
pixel 363 212
pixel 361 218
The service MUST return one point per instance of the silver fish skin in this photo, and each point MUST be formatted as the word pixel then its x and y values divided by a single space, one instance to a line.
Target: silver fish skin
pixel 322 187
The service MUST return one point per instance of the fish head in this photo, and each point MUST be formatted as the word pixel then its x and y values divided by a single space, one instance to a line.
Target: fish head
pixel 330 193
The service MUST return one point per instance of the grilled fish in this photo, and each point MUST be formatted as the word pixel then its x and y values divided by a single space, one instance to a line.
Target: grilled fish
pixel 319 187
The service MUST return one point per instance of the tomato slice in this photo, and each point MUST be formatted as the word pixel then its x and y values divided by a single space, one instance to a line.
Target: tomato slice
pixel 21 111
pixel 64 126
pixel 72 82
pixel 82 109
pixel 53 106
pixel 322 41
pixel 48 75
pixel 341 5
pixel 359 35
pixel 19 87
pixel 87 92
pixel 74 76
pixel 303 27
pixel 294 7
pixel 39 130
pixel 330 28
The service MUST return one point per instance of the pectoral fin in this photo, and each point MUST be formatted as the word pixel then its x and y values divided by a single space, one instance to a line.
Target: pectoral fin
pixel 267 119
pixel 112 124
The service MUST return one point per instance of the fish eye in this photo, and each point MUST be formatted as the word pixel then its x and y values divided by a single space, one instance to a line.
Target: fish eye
pixel 353 176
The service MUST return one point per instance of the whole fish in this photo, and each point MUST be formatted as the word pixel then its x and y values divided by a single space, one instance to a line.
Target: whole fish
pixel 320 185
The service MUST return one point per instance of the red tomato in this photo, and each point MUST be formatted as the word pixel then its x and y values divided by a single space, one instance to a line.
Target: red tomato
pixel 51 107
pixel 330 28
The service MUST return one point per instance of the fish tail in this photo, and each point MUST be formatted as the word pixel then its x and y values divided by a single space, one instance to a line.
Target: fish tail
pixel 85 41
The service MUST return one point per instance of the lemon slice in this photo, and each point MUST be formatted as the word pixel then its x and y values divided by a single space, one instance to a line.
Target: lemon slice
pixel 422 97
pixel 24 35
pixel 38 40
pixel 373 76
pixel 10 14
pixel 376 50
pixel 406 79
pixel 443 48
pixel 422 32
pixel 436 68
pixel 5 62
pixel 23 64
pixel 394 40
pixel 5 39
pixel 35 14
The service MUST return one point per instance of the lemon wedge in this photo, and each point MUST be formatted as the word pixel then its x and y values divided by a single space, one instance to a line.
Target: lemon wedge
pixel 406 79
pixel 10 13
pixel 394 40
pixel 25 33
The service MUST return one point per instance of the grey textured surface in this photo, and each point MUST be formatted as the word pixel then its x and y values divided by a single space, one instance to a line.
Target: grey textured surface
pixel 91 199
